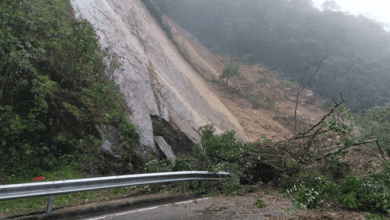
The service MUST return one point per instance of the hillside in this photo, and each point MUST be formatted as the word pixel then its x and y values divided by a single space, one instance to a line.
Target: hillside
pixel 262 101
pixel 88 91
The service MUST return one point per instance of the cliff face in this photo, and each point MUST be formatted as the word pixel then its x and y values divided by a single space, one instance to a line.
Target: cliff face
pixel 160 87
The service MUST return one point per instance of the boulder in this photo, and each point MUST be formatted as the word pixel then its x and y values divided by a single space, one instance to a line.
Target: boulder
pixel 164 147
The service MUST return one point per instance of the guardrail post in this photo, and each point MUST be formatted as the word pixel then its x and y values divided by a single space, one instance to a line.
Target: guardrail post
pixel 49 207
pixel 183 186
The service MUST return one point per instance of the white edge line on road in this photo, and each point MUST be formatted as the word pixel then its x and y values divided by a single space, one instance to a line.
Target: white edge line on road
pixel 190 201
pixel 140 210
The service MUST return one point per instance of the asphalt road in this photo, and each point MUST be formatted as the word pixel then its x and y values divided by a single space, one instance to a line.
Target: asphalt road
pixel 187 206
pixel 206 208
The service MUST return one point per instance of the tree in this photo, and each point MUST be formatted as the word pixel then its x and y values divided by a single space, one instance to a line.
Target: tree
pixel 299 91
pixel 330 5
pixel 376 124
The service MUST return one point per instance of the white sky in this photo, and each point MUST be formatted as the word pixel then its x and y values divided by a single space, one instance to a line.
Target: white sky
pixel 373 9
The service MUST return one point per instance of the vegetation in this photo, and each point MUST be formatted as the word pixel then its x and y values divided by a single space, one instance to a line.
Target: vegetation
pixel 376 125
pixel 260 203
pixel 167 165
pixel 305 186
pixel 54 90
pixel 312 190
pixel 228 72
pixel 292 37
pixel 37 205
pixel 371 216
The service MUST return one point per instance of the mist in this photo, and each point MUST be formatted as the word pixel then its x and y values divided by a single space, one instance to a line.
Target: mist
pixel 291 36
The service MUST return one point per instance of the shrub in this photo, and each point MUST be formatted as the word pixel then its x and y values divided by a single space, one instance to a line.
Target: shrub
pixel 367 194
pixel 260 203
pixel 222 153
pixel 219 148
pixel 311 191
pixel 375 125
pixel 371 216
pixel 229 71
pixel 155 165
pixel 231 185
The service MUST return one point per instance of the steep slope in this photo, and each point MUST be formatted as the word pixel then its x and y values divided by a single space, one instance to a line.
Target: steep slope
pixel 158 85
pixel 261 100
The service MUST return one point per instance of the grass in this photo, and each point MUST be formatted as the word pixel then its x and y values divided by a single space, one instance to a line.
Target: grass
pixel 174 191
pixel 289 211
pixel 271 103
pixel 38 204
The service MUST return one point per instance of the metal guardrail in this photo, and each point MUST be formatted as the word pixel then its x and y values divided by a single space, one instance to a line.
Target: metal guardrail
pixel 53 188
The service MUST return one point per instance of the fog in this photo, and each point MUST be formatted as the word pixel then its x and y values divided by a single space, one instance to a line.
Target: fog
pixel 291 36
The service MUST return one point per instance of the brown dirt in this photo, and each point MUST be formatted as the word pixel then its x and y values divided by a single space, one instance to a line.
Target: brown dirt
pixel 277 208
pixel 253 108
pixel 277 121
pixel 258 88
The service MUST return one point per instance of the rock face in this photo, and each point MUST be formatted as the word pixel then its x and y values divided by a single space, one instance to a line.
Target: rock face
pixel 156 81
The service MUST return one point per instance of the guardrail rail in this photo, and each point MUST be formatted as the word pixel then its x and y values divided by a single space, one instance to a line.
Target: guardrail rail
pixel 53 188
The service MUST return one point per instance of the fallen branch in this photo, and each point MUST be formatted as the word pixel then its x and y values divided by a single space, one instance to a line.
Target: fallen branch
pixel 355 144
pixel 319 123
pixel 299 92
pixel 384 159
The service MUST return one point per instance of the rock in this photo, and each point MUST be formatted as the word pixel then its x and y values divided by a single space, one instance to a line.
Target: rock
pixel 165 148
pixel 111 146
pixel 107 148
pixel 309 93
pixel 111 152
pixel 154 78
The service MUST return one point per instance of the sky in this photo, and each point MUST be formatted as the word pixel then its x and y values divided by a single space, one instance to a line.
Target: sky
pixel 373 9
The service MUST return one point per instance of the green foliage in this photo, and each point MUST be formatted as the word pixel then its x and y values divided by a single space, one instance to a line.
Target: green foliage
pixel 382 178
pixel 219 148
pixel 376 125
pixel 194 185
pixel 289 211
pixel 266 140
pixel 288 85
pixel 221 153
pixel 371 194
pixel 260 203
pixel 351 192
pixel 174 191
pixel 45 53
pixel 68 172
pixel 155 165
pixel 337 157
pixel 230 185
pixel 144 188
pixel 229 71
pixel 371 216
pixel 210 194
pixel 309 191
pixel 126 131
